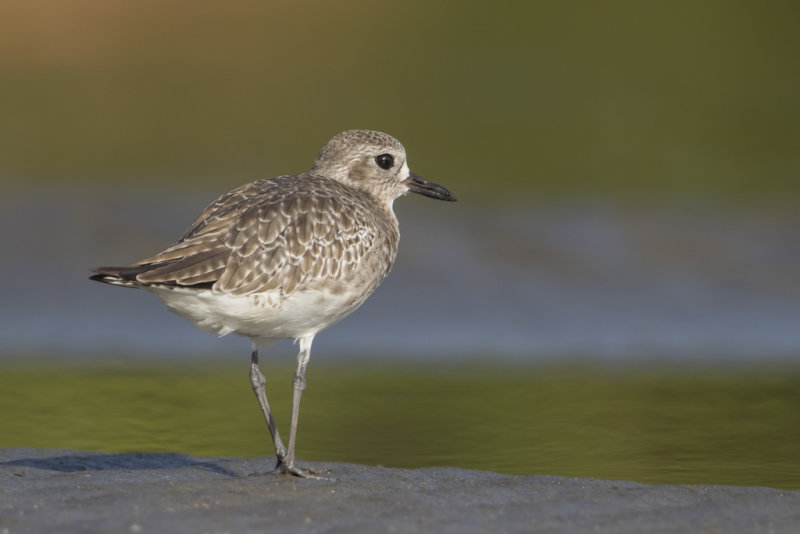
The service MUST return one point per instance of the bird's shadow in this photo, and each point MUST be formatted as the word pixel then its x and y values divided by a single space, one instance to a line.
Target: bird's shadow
pixel 103 462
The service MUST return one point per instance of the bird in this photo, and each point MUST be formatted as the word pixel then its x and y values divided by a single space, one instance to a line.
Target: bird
pixel 286 257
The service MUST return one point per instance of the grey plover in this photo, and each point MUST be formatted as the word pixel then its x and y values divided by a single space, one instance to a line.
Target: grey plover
pixel 287 257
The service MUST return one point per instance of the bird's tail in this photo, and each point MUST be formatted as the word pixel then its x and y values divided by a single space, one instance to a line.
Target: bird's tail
pixel 118 276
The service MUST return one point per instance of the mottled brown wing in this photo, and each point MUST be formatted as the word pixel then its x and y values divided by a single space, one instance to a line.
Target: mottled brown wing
pixel 265 237
pixel 281 246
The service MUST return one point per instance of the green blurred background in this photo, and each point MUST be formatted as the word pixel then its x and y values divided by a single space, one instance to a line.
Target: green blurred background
pixel 119 120
pixel 609 98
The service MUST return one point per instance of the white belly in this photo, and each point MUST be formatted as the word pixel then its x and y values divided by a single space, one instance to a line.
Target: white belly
pixel 263 317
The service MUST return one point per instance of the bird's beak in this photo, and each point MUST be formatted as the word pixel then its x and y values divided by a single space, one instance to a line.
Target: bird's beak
pixel 418 184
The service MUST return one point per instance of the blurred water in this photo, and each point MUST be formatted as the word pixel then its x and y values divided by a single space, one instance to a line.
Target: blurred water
pixel 659 425
pixel 584 279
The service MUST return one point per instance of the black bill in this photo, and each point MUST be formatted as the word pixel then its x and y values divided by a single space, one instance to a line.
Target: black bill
pixel 418 184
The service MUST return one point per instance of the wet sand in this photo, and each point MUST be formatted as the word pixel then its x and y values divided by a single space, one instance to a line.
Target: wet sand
pixel 76 491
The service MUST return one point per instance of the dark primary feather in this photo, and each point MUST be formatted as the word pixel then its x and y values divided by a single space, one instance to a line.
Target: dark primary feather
pixel 272 234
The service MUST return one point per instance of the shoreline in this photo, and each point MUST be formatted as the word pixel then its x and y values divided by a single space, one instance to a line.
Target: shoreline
pixel 80 491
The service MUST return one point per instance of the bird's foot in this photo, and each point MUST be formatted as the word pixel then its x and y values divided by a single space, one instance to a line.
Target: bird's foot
pixel 291 469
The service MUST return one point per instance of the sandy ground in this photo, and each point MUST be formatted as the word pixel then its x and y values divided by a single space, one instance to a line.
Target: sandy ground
pixel 76 491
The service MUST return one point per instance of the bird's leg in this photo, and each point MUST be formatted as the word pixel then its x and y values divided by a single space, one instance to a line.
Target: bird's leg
pixel 298 385
pixel 259 383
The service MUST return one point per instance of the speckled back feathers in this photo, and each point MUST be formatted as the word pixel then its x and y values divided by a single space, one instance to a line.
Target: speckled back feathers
pixel 277 234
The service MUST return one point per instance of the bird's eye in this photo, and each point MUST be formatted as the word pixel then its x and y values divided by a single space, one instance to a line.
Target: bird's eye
pixel 385 161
